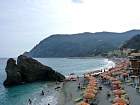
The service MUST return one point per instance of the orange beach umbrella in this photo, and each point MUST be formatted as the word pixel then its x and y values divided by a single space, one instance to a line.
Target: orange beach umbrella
pixel 113 79
pixel 119 100
pixel 90 91
pixel 118 104
pixel 89 95
pixel 125 74
pixel 116 82
pixel 83 103
pixel 118 92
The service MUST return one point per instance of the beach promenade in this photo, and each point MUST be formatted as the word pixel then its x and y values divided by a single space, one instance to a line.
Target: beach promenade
pixel 102 96
pixel 133 95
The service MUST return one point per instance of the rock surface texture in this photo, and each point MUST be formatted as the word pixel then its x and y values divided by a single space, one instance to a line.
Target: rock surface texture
pixel 29 70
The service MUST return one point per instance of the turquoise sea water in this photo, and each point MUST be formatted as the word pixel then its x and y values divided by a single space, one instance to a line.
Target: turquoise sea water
pixel 19 95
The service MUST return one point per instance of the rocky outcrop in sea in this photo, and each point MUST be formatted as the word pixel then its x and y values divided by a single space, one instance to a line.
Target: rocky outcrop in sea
pixel 28 70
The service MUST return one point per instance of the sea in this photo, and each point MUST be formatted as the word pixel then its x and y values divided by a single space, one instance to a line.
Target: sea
pixel 19 95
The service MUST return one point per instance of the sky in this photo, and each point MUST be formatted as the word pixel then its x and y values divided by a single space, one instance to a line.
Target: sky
pixel 24 23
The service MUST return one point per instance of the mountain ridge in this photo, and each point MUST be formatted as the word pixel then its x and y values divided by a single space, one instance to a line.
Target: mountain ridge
pixel 80 44
pixel 133 43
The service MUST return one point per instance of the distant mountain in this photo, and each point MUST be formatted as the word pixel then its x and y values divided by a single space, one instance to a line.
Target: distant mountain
pixel 81 44
pixel 133 43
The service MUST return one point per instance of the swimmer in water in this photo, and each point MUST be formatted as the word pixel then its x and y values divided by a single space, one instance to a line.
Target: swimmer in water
pixel 42 93
pixel 29 101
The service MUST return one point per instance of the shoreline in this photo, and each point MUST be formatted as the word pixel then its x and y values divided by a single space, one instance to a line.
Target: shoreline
pixel 62 98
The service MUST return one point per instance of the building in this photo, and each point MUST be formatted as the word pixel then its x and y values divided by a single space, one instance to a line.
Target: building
pixel 134 59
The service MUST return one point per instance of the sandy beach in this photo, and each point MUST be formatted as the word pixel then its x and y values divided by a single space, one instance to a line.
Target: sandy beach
pixel 69 93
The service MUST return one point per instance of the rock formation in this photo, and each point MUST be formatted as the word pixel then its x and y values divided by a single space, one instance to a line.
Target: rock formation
pixel 29 70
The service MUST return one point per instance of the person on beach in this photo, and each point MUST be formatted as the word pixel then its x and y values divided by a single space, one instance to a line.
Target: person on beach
pixel 100 87
pixel 79 86
pixel 108 94
pixel 29 101
pixel 77 78
pixel 71 96
pixel 42 93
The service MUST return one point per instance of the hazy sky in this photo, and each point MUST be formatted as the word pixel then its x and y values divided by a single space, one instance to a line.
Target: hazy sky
pixel 23 23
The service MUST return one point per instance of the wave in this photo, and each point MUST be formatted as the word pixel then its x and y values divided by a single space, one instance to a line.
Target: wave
pixel 105 65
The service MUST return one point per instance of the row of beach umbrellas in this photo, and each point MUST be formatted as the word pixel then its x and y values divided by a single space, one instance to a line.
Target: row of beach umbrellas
pixel 90 91
pixel 116 84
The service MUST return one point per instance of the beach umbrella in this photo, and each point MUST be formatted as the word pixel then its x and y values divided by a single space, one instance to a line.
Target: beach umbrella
pixel 115 104
pixel 118 104
pixel 118 92
pixel 87 77
pixel 119 100
pixel 125 74
pixel 90 91
pixel 108 77
pixel 91 87
pixel 89 95
pixel 115 87
pixel 116 82
pixel 124 96
pixel 94 84
pixel 113 79
pixel 91 84
pixel 83 103
pixel 93 81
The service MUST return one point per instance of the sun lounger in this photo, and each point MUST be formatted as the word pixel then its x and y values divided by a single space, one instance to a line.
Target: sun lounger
pixel 130 84
pixel 83 87
pixel 128 81
pixel 78 99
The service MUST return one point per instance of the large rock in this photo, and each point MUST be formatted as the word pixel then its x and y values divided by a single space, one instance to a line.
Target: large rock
pixel 13 73
pixel 29 70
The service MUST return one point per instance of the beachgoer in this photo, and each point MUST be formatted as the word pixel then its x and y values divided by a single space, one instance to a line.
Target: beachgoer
pixel 78 78
pixel 42 93
pixel 79 86
pixel 86 101
pixel 29 101
pixel 70 95
pixel 137 89
pixel 100 87
pixel 108 94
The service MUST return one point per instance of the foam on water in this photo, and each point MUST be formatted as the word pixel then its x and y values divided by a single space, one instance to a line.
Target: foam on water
pixel 50 99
